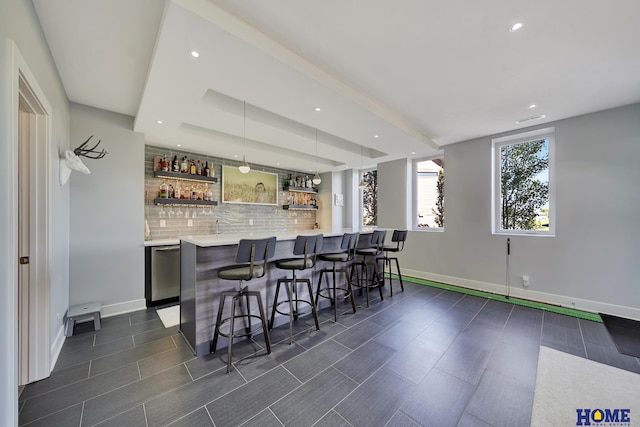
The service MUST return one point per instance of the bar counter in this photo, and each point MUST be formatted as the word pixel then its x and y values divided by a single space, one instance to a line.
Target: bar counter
pixel 202 256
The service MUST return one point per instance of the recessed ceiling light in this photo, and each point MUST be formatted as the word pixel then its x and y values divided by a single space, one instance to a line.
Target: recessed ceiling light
pixel 532 106
pixel 195 54
pixel 159 122
pixel 235 156
pixel 179 145
pixel 277 164
pixel 528 119
pixel 413 152
pixel 515 27
pixel 376 136
pixel 317 108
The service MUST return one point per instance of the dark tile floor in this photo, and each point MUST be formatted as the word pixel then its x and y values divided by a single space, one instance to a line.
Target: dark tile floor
pixel 425 357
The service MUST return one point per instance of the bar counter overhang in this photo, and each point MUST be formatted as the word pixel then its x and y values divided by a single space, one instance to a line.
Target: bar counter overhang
pixel 202 256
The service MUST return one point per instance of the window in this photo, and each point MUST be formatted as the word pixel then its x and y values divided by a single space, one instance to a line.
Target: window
pixel 523 188
pixel 369 197
pixel 429 193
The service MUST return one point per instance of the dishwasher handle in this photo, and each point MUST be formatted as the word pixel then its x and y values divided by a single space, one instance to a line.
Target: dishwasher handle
pixel 165 248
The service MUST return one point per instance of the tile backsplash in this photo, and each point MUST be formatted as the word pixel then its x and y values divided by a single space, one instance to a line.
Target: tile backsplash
pixel 231 217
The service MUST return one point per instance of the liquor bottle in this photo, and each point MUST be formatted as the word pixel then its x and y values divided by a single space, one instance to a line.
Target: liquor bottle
pixel 176 164
pixel 165 164
pixel 207 171
pixel 164 190
pixel 193 169
pixel 178 192
pixel 184 166
pixel 199 168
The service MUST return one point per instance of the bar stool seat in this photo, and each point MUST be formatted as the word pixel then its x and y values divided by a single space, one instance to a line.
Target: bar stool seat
pixel 398 237
pixel 348 245
pixel 250 252
pixel 308 247
pixel 370 257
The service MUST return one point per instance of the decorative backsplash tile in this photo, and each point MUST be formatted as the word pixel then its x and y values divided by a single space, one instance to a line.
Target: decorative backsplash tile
pixel 232 218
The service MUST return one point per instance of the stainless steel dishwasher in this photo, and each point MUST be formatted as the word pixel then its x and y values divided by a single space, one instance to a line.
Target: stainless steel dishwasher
pixel 165 272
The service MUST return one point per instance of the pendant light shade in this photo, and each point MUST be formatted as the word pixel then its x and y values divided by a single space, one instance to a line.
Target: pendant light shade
pixel 244 166
pixel 316 178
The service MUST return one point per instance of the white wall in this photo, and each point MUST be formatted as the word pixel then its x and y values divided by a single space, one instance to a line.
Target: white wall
pixel 19 24
pixel 592 262
pixel 107 214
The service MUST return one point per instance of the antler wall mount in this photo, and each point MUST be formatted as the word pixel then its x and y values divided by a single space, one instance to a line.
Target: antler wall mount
pixel 71 161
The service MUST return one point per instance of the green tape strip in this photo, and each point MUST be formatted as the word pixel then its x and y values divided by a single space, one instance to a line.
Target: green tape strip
pixel 518 301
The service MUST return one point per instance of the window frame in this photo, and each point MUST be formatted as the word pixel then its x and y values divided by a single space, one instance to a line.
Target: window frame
pixel 414 193
pixel 519 138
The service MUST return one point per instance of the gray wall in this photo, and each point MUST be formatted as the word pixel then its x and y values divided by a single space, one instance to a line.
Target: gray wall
pixel 107 213
pixel 591 263
pixel 393 182
pixel 18 22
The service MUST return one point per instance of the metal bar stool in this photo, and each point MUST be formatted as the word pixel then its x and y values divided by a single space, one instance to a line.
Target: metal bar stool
pixel 370 256
pixel 253 254
pixel 348 247
pixel 398 237
pixel 308 247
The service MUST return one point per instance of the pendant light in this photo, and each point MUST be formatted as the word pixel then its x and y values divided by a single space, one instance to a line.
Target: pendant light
pixel 362 184
pixel 244 166
pixel 316 178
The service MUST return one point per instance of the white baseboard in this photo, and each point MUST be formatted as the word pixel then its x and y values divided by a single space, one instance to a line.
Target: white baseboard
pixel 56 347
pixel 123 307
pixel 544 297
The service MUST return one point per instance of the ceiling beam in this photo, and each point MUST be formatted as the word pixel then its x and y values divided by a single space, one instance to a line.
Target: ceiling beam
pixel 235 26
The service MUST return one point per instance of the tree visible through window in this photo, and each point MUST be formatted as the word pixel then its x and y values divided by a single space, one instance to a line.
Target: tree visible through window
pixel 524 185
pixel 430 193
pixel 370 198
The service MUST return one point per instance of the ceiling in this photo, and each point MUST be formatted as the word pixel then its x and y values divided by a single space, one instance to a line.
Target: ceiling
pixel 392 80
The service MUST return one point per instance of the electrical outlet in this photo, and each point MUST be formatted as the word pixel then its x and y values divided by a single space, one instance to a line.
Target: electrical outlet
pixel 295 221
pixel 189 223
pixel 250 221
pixel 163 223
pixel 525 280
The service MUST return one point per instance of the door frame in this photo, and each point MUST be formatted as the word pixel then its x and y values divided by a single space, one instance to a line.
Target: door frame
pixel 16 80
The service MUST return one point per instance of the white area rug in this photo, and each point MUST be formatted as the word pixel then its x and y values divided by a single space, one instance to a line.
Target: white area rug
pixel 169 316
pixel 566 383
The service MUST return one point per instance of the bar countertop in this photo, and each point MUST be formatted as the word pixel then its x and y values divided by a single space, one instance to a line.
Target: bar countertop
pixel 208 240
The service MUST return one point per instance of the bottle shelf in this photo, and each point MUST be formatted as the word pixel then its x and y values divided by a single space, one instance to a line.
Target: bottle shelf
pixel 184 176
pixel 298 207
pixel 300 189
pixel 162 201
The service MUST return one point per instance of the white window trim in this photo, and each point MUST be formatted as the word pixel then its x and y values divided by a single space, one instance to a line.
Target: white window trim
pixel 414 194
pixel 496 143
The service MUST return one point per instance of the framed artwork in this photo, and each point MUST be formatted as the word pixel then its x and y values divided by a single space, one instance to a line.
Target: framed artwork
pixel 258 188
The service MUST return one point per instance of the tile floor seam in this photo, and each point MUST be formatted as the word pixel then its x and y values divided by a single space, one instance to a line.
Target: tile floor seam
pixel 81 415
pixel 209 414
pixel 144 412
pixel 406 415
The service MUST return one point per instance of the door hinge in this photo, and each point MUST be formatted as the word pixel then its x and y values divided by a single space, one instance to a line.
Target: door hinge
pixel 24 260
